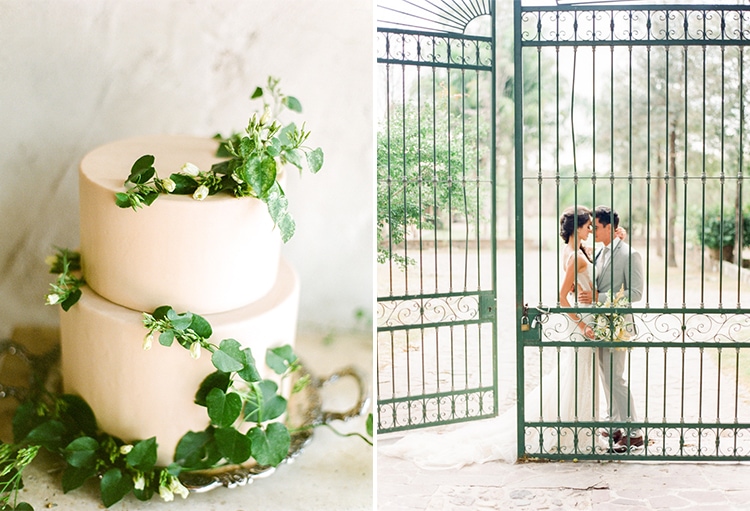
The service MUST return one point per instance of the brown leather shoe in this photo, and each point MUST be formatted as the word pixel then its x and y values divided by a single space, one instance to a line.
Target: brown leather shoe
pixel 616 434
pixel 627 443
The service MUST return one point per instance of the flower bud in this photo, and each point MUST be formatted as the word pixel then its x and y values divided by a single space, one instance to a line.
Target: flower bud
pixel 168 185
pixel 195 350
pixel 148 341
pixel 190 169
pixel 124 449
pixel 139 482
pixel 201 192
pixel 264 117
pixel 53 298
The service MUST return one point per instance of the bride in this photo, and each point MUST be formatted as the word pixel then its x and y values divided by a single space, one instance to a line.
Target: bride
pixel 565 394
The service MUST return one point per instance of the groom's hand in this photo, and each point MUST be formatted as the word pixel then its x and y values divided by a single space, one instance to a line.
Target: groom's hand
pixel 585 296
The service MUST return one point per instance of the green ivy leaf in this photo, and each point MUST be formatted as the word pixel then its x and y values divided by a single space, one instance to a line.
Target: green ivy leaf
pixel 223 408
pixel 286 135
pixel 25 420
pixel 166 338
pixel 292 104
pixel 278 204
pixel 294 156
pixel 143 455
pixel 216 380
pixel 249 373
pixel 71 300
pixel 23 506
pixel 184 185
pixel 79 414
pixel 161 312
pixel 274 148
pixel 281 358
pixel 74 477
pixel 233 445
pixel 315 160
pixel 259 173
pixel 368 424
pixel 264 403
pixel 150 197
pixel 81 452
pixel 145 494
pixel 122 200
pixel 114 486
pixel 201 327
pixel 229 357
pixel 180 321
pixel 271 446
pixel 48 434
pixel 142 170
pixel 258 92
pixel 197 450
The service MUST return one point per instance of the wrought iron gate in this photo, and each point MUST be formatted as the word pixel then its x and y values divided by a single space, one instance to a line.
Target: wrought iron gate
pixel 641 108
pixel 436 316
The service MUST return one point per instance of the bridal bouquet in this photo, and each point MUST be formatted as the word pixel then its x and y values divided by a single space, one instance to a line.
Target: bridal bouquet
pixel 612 326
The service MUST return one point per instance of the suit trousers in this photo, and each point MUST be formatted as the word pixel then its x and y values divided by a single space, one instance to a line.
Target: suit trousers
pixel 620 404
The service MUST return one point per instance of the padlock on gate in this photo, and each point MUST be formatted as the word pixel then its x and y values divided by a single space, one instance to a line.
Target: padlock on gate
pixel 525 326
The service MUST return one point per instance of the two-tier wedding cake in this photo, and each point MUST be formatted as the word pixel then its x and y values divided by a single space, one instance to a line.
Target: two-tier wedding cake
pixel 218 258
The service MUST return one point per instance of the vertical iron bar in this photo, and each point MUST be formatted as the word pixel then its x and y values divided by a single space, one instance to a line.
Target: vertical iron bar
pixel 519 228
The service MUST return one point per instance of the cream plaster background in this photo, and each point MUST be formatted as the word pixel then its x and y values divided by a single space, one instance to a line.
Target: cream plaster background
pixel 75 74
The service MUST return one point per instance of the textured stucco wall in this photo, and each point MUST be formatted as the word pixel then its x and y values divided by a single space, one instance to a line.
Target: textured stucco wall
pixel 75 74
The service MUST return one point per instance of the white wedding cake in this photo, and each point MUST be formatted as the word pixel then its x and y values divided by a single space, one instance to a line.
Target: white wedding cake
pixel 218 258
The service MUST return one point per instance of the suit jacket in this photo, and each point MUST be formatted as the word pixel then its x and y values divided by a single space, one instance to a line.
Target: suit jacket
pixel 624 268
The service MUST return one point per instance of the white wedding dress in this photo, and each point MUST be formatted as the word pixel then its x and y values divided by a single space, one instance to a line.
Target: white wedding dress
pixel 567 393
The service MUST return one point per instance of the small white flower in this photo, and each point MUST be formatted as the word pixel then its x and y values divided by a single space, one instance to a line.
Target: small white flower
pixel 148 342
pixel 124 449
pixel 53 298
pixel 166 494
pixel 178 488
pixel 201 193
pixel 195 350
pixel 168 185
pixel 190 169
pixel 139 482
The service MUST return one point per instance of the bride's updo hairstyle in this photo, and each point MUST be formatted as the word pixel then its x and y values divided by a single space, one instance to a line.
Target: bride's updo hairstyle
pixel 568 223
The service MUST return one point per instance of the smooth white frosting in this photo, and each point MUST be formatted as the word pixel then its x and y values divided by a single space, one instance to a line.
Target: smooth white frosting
pixel 207 257
pixel 137 394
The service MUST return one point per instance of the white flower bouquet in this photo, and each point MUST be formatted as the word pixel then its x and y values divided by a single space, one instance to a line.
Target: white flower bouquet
pixel 612 326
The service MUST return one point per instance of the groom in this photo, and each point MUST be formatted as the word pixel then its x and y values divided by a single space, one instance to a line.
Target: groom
pixel 616 266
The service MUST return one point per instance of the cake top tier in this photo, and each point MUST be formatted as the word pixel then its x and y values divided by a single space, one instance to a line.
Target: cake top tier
pixel 205 256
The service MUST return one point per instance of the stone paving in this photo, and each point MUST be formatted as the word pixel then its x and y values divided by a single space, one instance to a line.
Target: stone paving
pixel 598 486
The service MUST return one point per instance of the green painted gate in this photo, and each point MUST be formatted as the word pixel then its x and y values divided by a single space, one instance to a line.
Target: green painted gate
pixel 436 316
pixel 641 108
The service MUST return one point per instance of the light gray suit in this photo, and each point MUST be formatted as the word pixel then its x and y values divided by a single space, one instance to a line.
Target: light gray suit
pixel 624 268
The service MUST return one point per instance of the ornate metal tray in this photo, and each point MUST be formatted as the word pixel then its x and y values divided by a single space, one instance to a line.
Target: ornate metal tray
pixel 305 411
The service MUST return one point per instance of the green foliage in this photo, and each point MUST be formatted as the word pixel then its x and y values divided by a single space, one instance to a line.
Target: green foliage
pixel 426 166
pixel 236 399
pixel 234 395
pixel 716 228
pixel 66 290
pixel 252 164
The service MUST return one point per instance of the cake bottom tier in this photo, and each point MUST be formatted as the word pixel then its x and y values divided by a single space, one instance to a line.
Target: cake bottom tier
pixel 139 394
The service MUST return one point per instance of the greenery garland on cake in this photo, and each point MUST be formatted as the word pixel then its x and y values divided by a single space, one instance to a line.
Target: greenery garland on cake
pixel 250 170
pixel 241 408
